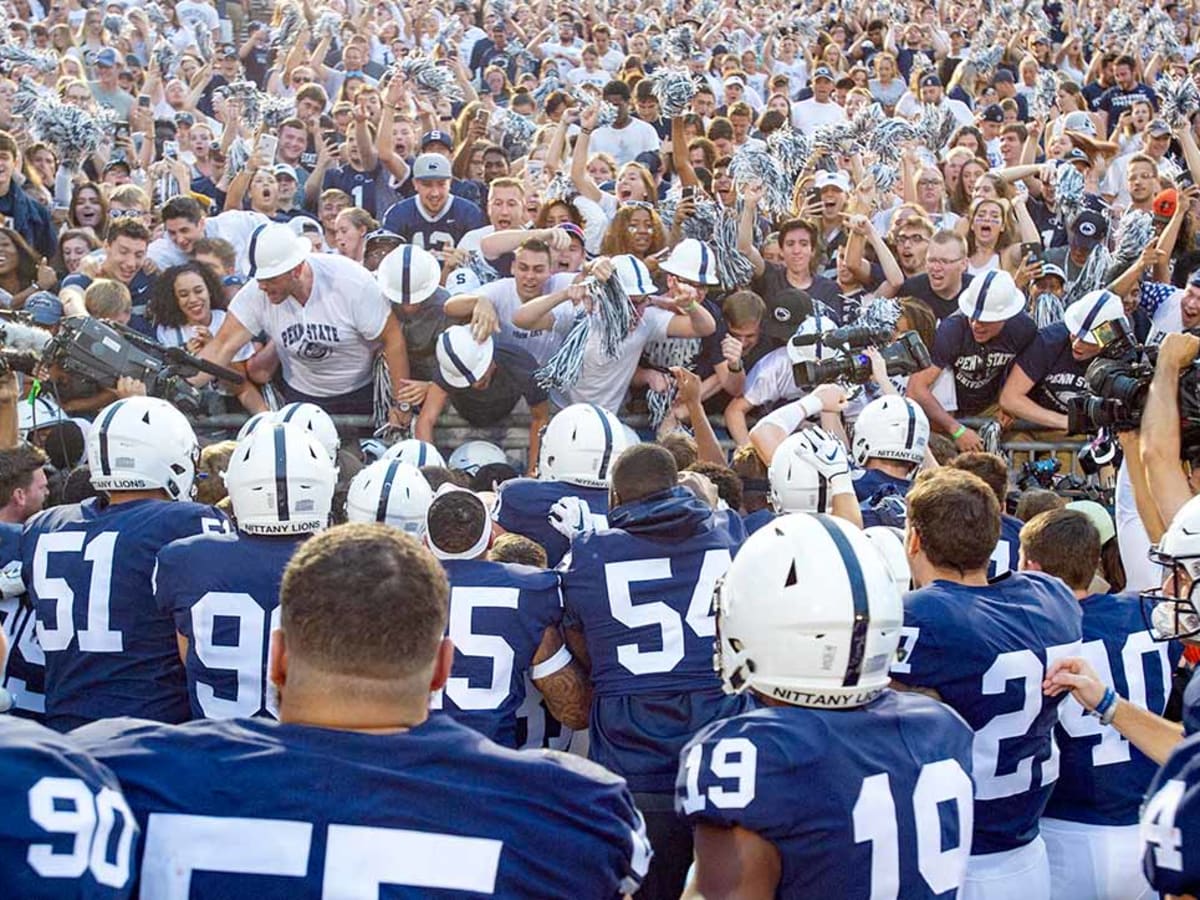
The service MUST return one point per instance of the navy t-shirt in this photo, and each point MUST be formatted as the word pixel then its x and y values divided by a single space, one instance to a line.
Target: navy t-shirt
pixel 979 369
pixel 512 380
pixel 1056 374
pixel 918 286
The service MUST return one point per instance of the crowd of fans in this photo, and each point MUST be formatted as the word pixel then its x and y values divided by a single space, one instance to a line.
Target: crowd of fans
pixel 789 297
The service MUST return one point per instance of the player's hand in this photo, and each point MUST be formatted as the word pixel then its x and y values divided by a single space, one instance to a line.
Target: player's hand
pixel 484 321
pixel 1178 350
pixel 571 517
pixel 969 441
pixel 130 387
pixel 833 397
pixel 823 452
pixel 1074 674
pixel 687 386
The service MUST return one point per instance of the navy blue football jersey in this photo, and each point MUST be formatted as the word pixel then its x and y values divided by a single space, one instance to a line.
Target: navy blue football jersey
pixel 757 519
pixel 362 186
pixel 23 672
pixel 222 592
pixel 523 506
pixel 1191 704
pixel 1103 777
pixel 498 614
pixel 893 813
pixel 881 498
pixel 641 594
pixel 409 221
pixel 1057 376
pixel 985 650
pixel 1170 822
pixel 109 650
pixel 301 812
pixel 1006 557
pixel 66 831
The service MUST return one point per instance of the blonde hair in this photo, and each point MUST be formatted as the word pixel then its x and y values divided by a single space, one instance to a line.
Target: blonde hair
pixel 107 299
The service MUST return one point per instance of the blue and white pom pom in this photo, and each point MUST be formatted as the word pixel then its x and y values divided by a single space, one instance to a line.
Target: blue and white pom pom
pixel 1134 234
pixel 483 269
pixel 291 23
pixel 113 24
pixel 14 57
pixel 681 43
pixel 674 90
pixel 275 110
pixel 889 139
pixel 429 79
pixel 74 133
pixel 1178 99
pixel 1068 193
pixel 935 126
pixel 565 365
pixel 792 150
pixel 734 270
pixel 750 164
pixel 328 23
pixel 1045 94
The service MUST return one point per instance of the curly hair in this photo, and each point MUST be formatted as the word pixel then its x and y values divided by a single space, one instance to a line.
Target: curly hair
pixel 616 238
pixel 164 308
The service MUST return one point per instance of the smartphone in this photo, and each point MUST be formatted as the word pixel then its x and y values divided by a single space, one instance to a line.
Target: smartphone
pixel 120 131
pixel 534 167
pixel 267 145
pixel 144 101
pixel 170 149
pixel 1184 181
pixel 688 192
pixel 482 115
pixel 1031 251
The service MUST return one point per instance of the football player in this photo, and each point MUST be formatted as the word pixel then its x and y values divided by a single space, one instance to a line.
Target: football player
pixel 579 447
pixel 638 599
pixel 88 567
pixel 392 492
pixel 809 472
pixel 891 441
pixel 983 648
pixel 356 790
pixel 808 621
pixel 222 590
pixel 1090 823
pixel 23 491
pixel 504 622
pixel 992 468
pixel 1171 825
pixel 67 831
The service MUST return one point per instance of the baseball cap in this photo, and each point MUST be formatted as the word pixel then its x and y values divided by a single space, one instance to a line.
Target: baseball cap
pixel 185 118
pixel 1099 517
pixel 993 297
pixel 574 231
pixel 1076 155
pixel 735 81
pixel 785 313
pixel 437 137
pixel 839 180
pixel 44 308
pixel 1050 269
pixel 651 160
pixel 993 113
pixel 302 225
pixel 1080 122
pixel 107 57
pixel 283 169
pixel 132 62
pixel 431 167
pixel 118 161
pixel 1165 203
pixel 1158 128
pixel 823 72
pixel 228 50
pixel 931 81
pixel 1090 227
pixel 1003 75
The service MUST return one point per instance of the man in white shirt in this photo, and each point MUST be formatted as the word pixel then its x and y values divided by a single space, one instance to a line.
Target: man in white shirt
pixel 626 137
pixel 591 72
pixel 505 210
pixel 611 57
pixel 820 109
pixel 566 50
pixel 934 94
pixel 184 222
pixel 326 317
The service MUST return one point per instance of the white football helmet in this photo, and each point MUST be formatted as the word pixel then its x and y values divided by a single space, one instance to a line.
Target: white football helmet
pixel 580 445
pixel 890 544
pixel 41 412
pixel 392 492
pixel 312 418
pixel 140 444
pixel 281 481
pixel 472 455
pixel 414 452
pixel 253 422
pixel 796 484
pixel 1178 552
pixel 890 427
pixel 805 345
pixel 808 614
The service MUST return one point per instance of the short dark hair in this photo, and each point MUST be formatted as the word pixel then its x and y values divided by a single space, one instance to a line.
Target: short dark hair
pixel 752 472
pixel 1037 500
pixel 1065 544
pixel 128 227
pixel 991 467
pixel 439 475
pixel 182 207
pixel 516 548
pixel 1125 60
pixel 729 486
pixel 455 521
pixel 364 601
pixel 487 477
pixel 616 88
pixel 682 446
pixel 17 465
pixel 642 470
pixel 956 516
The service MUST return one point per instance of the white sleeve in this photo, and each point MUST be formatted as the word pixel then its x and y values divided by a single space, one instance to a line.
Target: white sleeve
pixel 370 309
pixel 1134 542
pixel 247 307
pixel 763 382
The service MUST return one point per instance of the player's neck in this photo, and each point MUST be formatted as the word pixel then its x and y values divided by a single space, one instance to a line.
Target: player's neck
pixel 925 573
pixel 347 713
pixel 890 467
pixel 115 498
pixel 12 514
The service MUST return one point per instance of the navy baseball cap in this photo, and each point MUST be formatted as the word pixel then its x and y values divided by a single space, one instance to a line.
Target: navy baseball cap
pixel 107 57
pixel 437 137
pixel 44 308
pixel 651 160
pixel 1090 227
pixel 993 113
pixel 823 72
pixel 931 81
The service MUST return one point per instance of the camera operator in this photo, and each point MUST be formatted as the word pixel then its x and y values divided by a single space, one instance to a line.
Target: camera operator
pixel 977 344
pixel 1051 370
pixel 1170 485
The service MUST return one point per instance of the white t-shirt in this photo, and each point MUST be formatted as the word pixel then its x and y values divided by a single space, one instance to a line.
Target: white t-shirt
pixel 624 144
pixel 605 381
pixel 235 226
pixel 326 345
pixel 189 11
pixel 470 240
pixel 538 344
pixel 1132 539
pixel 580 75
pixel 809 115
pixel 170 336
pixel 770 380
pixel 796 71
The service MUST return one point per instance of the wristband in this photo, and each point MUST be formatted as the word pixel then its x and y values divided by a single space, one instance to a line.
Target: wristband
pixel 587 130
pixel 841 484
pixel 789 417
pixel 1106 709
pixel 690 308
pixel 737 367
pixel 958 432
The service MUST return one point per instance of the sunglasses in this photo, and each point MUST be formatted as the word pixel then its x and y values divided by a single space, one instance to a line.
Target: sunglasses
pixel 125 213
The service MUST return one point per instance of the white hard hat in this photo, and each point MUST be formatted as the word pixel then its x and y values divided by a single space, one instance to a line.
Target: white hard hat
pixel 991 297
pixel 462 359
pixel 634 274
pixel 1091 310
pixel 276 249
pixel 462 281
pixel 408 274
pixel 693 261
